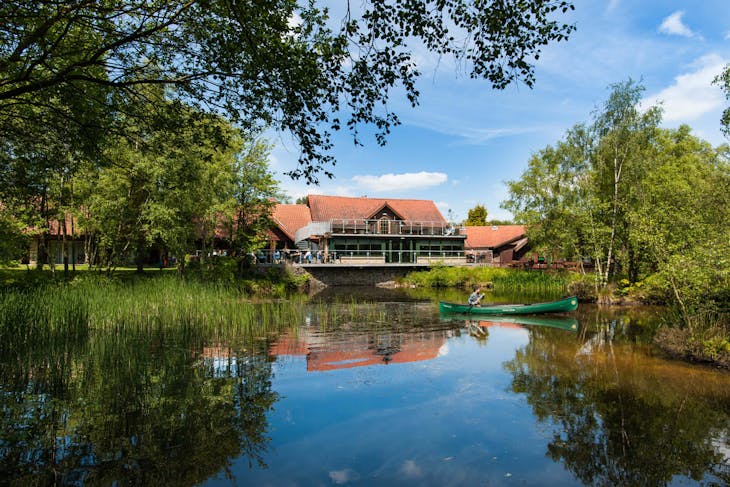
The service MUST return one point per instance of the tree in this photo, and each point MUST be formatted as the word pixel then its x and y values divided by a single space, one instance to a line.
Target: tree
pixel 476 216
pixel 576 197
pixel 554 200
pixel 680 220
pixel 723 80
pixel 75 65
pixel 13 242
pixel 622 135
pixel 255 195
pixel 165 189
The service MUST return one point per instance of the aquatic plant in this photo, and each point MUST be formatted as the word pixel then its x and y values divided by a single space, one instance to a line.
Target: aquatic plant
pixel 498 279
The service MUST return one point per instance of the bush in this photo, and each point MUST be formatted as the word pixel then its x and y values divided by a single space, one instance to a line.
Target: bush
pixel 583 286
pixel 702 337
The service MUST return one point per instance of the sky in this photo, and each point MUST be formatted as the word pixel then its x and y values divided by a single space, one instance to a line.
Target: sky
pixel 465 140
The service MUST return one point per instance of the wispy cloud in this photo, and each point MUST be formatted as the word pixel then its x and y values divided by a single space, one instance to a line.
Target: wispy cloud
pixel 673 25
pixel 400 182
pixel 692 94
pixel 470 135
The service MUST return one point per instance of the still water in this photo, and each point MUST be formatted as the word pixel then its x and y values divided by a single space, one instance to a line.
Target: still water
pixel 379 391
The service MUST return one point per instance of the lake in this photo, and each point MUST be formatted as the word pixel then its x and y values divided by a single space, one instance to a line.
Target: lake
pixel 366 388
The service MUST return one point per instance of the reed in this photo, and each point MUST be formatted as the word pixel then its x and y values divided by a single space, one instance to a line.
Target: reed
pixel 498 279
pixel 101 304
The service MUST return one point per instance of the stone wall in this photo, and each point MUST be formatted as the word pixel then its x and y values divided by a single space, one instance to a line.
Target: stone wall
pixel 338 275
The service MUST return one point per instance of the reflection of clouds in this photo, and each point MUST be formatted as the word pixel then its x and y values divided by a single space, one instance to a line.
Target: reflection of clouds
pixel 411 470
pixel 443 350
pixel 343 476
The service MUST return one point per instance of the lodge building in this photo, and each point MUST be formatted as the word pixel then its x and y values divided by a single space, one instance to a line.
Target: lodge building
pixel 390 231
pixel 369 231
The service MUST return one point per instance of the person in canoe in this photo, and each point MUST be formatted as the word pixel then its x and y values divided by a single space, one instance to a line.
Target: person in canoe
pixel 476 297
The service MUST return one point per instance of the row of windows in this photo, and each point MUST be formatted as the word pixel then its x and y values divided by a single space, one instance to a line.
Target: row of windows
pixel 377 247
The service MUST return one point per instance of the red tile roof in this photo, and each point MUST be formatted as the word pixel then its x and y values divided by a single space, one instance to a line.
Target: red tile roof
pixel 325 208
pixel 493 236
pixel 291 218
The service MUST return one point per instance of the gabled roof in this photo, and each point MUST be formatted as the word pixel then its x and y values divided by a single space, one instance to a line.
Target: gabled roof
pixel 291 218
pixel 493 237
pixel 325 208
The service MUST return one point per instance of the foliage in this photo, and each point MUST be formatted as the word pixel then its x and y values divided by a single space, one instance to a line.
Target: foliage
pixel 255 195
pixel 705 338
pixel 13 242
pixel 69 65
pixel 496 222
pixel 723 80
pixel 576 197
pixel 583 286
pixel 477 216
pixel 160 189
pixel 647 206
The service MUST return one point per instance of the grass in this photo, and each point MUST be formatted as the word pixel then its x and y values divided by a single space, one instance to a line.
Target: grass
pixel 705 337
pixel 497 279
pixel 99 304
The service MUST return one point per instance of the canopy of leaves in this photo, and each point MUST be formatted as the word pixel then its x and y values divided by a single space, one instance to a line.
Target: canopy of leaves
pixel 723 80
pixel 477 216
pixel 70 67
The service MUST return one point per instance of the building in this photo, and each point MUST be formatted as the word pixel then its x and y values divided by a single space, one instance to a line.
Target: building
pixel 496 244
pixel 369 231
pixel 63 242
pixel 288 219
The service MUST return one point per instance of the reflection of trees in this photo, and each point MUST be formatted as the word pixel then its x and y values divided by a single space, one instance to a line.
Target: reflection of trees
pixel 132 408
pixel 623 419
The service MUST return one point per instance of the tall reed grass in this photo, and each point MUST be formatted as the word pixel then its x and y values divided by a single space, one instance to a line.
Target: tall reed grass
pixel 99 304
pixel 498 279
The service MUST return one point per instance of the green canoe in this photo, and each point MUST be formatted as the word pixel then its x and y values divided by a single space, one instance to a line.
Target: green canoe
pixel 561 322
pixel 560 306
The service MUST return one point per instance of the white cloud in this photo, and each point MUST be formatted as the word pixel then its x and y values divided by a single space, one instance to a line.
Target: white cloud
pixel 692 94
pixel 400 182
pixel 673 25
pixel 613 5
pixel 341 477
pixel 411 469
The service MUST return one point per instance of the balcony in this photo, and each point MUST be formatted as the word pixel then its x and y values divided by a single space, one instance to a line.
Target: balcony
pixel 379 227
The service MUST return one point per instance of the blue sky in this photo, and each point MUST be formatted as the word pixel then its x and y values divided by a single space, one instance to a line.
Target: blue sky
pixel 465 140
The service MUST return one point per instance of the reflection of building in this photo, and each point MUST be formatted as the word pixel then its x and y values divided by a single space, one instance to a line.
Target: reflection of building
pixel 358 350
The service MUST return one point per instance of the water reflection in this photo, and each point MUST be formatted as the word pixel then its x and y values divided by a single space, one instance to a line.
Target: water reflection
pixel 455 401
pixel 130 408
pixel 360 347
pixel 619 414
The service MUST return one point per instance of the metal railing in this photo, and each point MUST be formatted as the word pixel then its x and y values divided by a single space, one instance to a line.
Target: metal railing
pixel 382 226
pixel 359 257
